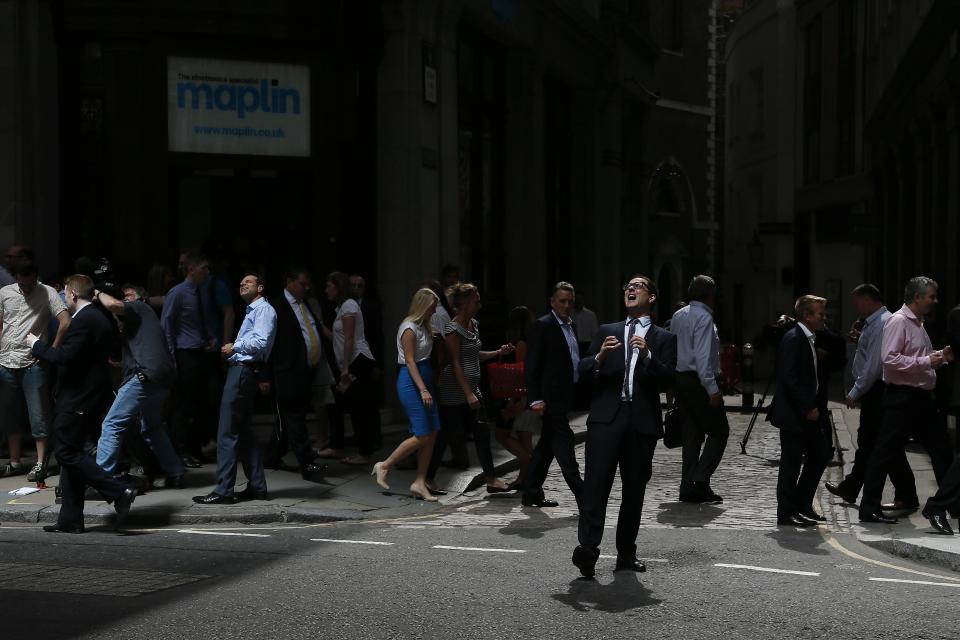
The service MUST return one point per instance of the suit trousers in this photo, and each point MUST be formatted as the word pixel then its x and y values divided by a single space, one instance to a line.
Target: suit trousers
pixel 235 436
pixel 905 410
pixel 78 469
pixel 293 409
pixel 797 480
pixel 947 496
pixel 617 443
pixel 703 426
pixel 190 398
pixel 556 441
pixel 871 415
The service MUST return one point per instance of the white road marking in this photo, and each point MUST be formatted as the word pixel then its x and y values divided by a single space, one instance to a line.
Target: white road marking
pixel 933 584
pixel 384 544
pixel 442 546
pixel 223 533
pixel 641 559
pixel 766 569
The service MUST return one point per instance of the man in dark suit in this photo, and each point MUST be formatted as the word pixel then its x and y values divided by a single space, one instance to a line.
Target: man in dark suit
pixel 629 363
pixel 295 361
pixel 797 412
pixel 83 392
pixel 550 369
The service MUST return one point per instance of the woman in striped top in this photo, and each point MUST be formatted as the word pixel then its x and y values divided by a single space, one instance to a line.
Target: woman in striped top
pixel 459 389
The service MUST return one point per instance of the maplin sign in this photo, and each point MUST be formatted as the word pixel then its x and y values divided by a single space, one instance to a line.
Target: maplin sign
pixel 236 107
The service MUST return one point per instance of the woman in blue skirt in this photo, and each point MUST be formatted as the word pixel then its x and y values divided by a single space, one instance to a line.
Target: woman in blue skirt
pixel 415 389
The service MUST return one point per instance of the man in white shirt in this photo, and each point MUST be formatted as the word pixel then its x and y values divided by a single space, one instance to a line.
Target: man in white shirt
pixel 27 306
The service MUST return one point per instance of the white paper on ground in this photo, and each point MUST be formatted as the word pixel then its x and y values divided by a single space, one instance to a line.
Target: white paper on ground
pixel 23 491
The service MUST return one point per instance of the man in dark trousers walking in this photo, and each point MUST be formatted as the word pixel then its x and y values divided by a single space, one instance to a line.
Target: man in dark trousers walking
pixel 796 414
pixel 83 392
pixel 629 364
pixel 550 369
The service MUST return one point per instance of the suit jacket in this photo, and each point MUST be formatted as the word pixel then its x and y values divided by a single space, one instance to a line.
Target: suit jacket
pixel 84 381
pixel 796 392
pixel 292 375
pixel 548 367
pixel 649 378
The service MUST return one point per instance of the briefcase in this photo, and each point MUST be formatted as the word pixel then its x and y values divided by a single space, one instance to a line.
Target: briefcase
pixel 672 427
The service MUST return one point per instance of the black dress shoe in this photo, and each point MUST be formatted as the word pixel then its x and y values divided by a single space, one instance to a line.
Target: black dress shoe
pixel 122 504
pixel 876 516
pixel 191 462
pixel 540 502
pixel 841 492
pixel 715 498
pixel 938 520
pixel 437 492
pixel 55 528
pixel 215 498
pixel 585 559
pixel 251 494
pixel 900 505
pixel 313 472
pixel 698 495
pixel 810 514
pixel 629 564
pixel 794 520
pixel 495 489
pixel 174 482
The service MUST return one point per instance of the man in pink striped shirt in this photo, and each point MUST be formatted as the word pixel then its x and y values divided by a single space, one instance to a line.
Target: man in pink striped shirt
pixel 909 371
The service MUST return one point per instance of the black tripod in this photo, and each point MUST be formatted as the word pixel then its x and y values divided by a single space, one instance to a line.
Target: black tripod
pixel 756 413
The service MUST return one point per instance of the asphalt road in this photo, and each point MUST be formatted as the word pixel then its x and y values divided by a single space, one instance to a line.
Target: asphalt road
pixel 504 577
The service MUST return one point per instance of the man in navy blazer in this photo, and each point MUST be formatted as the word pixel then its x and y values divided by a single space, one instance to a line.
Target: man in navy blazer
pixel 629 363
pixel 550 371
pixel 795 412
pixel 83 393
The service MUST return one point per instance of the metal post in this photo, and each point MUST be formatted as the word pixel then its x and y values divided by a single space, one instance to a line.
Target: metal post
pixel 746 383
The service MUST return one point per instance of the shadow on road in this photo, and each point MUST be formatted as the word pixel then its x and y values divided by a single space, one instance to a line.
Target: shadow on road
pixel 536 524
pixel 624 593
pixel 808 541
pixel 683 514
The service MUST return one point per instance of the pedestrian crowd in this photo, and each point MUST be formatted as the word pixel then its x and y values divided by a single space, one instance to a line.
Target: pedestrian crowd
pixel 157 376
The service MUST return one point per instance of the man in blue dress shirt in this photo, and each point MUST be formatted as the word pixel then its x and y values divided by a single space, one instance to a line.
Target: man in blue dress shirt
pixel 184 324
pixel 246 357
pixel 698 394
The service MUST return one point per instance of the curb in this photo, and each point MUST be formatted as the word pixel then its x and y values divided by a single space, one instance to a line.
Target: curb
pixel 920 553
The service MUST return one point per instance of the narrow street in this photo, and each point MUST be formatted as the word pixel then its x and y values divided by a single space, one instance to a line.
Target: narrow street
pixel 484 568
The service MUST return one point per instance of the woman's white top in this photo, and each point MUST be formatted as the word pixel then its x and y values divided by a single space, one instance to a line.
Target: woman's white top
pixel 439 320
pixel 349 309
pixel 423 340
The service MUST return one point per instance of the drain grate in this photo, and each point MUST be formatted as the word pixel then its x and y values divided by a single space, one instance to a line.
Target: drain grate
pixel 90 580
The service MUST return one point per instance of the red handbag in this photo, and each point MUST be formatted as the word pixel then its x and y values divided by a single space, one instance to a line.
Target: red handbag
pixel 506 380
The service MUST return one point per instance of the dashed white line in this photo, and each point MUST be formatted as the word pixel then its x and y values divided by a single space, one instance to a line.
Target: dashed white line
pixel 767 569
pixel 926 582
pixel 223 533
pixel 442 546
pixel 383 544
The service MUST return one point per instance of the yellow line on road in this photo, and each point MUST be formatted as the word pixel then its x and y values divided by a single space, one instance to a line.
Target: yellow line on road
pixel 839 547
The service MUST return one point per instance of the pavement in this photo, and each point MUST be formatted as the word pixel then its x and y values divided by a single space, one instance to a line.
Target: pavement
pixel 348 493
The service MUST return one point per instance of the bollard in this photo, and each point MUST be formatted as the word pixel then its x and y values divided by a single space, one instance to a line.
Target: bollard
pixel 746 383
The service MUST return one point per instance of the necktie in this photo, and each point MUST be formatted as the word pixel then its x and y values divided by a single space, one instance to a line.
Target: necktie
pixel 627 391
pixel 205 331
pixel 313 349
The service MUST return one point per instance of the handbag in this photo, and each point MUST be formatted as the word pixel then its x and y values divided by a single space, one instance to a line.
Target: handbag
pixel 506 379
pixel 673 427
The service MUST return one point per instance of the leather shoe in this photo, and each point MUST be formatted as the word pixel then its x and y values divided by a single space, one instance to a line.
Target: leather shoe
pixel 629 564
pixel 215 498
pixel 699 494
pixel 900 505
pixel 122 504
pixel 191 462
pixel 55 528
pixel 876 516
pixel 174 482
pixel 539 502
pixel 837 489
pixel 314 472
pixel 938 520
pixel 585 559
pixel 810 514
pixel 794 520
pixel 251 494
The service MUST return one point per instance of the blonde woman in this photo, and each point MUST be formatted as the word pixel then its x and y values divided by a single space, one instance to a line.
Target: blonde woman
pixel 414 388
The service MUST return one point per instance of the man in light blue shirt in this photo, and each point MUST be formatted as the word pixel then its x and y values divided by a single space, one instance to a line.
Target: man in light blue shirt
pixel 698 394
pixel 246 357
pixel 867 391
